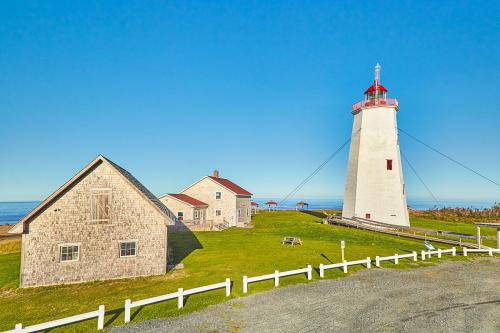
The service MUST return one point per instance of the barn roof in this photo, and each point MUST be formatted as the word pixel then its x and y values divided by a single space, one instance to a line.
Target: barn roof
pixel 141 189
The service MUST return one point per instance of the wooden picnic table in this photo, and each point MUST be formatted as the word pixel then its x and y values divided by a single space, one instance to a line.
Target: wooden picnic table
pixel 291 240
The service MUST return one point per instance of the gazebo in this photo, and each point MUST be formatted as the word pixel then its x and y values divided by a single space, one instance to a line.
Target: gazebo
pixel 301 204
pixel 271 205
pixel 255 207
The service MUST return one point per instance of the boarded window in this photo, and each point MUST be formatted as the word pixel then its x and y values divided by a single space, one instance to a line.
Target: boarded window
pixel 128 249
pixel 69 253
pixel 389 164
pixel 101 205
pixel 368 216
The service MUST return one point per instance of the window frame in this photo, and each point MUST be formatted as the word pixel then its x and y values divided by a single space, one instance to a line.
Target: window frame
pixel 388 164
pixel 95 192
pixel 127 241
pixel 61 246
pixel 180 218
pixel 218 195
pixel 218 210
pixel 196 214
pixel 368 216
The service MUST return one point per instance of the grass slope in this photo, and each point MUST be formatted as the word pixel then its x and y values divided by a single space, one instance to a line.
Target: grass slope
pixel 231 253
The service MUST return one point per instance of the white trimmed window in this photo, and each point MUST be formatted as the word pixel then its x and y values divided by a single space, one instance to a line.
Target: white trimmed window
pixel 128 249
pixel 218 195
pixel 218 212
pixel 69 252
pixel 100 205
pixel 196 214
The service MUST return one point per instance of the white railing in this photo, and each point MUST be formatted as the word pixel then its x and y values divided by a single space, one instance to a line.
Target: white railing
pixel 489 251
pixel 396 258
pixel 59 322
pixel 344 265
pixel 276 276
pixel 439 252
pixel 179 295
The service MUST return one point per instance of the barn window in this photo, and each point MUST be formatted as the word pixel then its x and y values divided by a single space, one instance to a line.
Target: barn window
pixel 69 252
pixel 389 164
pixel 128 249
pixel 101 205
pixel 218 195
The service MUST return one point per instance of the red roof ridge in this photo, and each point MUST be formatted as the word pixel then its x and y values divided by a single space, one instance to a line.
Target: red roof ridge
pixel 187 199
pixel 230 185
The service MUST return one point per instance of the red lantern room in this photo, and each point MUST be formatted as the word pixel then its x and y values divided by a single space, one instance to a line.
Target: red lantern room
pixel 375 95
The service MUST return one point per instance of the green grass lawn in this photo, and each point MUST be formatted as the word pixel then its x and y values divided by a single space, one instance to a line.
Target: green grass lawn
pixel 231 253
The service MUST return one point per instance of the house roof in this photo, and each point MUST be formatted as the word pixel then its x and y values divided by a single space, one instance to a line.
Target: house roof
pixel 253 203
pixel 230 186
pixel 270 202
pixel 141 189
pixel 187 199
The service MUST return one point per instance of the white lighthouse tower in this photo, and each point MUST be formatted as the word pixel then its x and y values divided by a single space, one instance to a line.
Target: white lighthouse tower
pixel 374 188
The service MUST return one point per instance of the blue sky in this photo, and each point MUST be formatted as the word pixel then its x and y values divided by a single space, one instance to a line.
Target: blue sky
pixel 260 90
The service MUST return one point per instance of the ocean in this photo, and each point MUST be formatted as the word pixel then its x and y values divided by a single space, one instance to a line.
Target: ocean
pixel 11 212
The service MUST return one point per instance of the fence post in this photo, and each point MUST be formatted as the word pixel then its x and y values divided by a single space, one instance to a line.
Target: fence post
pixel 465 251
pixel 439 253
pixel 276 278
pixel 345 266
pixel 423 255
pixel 19 328
pixel 396 259
pixel 180 298
pixel 100 318
pixel 127 310
pixel 453 251
pixel 490 252
pixel 245 284
pixel 414 255
pixel 321 271
pixel 309 272
pixel 429 256
pixel 377 261
pixel 368 262
pixel 228 287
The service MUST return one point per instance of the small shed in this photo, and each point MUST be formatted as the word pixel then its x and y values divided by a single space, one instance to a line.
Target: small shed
pixel 301 205
pixel 271 205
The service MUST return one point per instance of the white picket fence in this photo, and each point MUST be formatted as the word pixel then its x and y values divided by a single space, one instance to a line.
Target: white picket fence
pixel 276 276
pixel 439 252
pixel 395 257
pixel 59 322
pixel 489 251
pixel 179 294
pixel 344 265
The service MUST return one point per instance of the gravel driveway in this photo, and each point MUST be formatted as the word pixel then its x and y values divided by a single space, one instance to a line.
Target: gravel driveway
pixel 450 297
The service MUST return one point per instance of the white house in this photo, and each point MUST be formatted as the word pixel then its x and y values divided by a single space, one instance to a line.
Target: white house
pixel 227 204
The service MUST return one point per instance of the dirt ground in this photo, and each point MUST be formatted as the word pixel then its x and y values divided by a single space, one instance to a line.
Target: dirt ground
pixel 454 296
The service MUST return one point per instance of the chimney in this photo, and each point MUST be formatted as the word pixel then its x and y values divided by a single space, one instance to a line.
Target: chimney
pixel 216 173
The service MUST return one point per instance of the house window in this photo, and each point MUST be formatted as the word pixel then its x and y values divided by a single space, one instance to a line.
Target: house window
pixel 368 216
pixel 100 205
pixel 248 212
pixel 69 253
pixel 218 212
pixel 218 195
pixel 128 249
pixel 180 216
pixel 389 164
pixel 239 212
pixel 196 214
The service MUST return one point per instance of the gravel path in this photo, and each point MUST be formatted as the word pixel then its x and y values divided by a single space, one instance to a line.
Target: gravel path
pixel 450 297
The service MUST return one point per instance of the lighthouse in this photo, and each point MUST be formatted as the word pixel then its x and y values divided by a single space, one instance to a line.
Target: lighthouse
pixel 374 188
